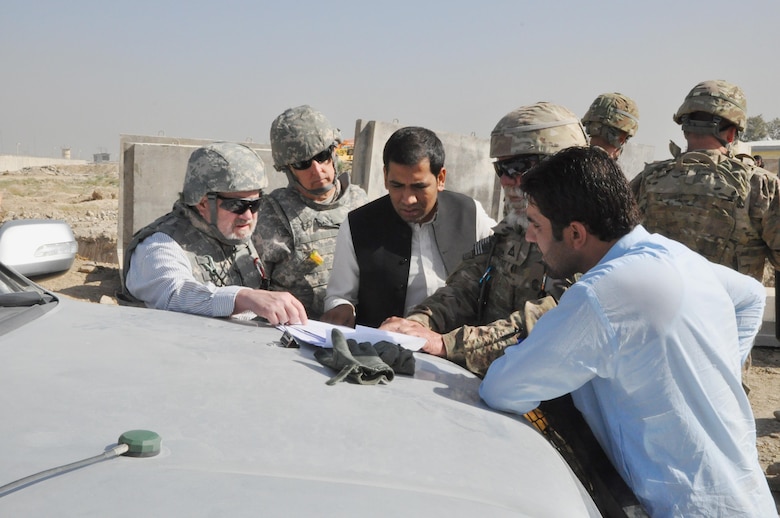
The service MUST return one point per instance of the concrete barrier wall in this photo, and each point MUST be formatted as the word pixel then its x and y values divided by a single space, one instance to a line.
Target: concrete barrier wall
pixel 17 162
pixel 152 172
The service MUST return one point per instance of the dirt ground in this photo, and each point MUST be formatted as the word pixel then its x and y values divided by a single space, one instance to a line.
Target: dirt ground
pixel 87 197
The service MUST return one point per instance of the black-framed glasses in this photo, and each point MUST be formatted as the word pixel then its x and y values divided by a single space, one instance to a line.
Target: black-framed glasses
pixel 320 157
pixel 516 165
pixel 239 205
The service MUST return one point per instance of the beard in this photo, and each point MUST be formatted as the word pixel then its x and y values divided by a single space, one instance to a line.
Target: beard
pixel 516 207
pixel 241 234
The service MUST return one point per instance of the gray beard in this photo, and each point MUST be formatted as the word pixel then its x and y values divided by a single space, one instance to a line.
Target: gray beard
pixel 517 212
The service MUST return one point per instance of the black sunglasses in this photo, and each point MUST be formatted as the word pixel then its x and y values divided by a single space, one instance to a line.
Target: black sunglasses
pixel 239 205
pixel 516 166
pixel 320 157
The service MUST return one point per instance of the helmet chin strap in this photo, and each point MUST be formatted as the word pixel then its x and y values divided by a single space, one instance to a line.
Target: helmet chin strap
pixel 315 192
pixel 213 211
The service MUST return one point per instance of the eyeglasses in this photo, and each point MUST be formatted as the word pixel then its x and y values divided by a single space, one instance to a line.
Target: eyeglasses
pixel 516 166
pixel 239 205
pixel 320 157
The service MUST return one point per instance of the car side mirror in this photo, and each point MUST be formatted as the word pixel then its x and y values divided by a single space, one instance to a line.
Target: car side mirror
pixel 36 247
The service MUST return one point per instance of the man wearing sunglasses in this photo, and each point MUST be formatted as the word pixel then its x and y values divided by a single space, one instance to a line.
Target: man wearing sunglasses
pixel 398 249
pixel 199 258
pixel 296 237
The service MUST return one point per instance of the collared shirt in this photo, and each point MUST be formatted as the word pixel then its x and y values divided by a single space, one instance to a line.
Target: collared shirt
pixel 426 267
pixel 161 274
pixel 650 343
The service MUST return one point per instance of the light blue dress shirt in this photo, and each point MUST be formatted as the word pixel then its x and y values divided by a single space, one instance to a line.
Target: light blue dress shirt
pixel 650 342
pixel 160 274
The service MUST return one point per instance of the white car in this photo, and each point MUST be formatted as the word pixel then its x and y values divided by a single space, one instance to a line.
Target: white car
pixel 247 427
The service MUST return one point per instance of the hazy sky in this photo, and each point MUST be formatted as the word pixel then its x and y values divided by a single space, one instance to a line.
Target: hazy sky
pixel 80 73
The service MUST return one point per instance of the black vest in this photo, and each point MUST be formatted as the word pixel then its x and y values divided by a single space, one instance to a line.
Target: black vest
pixel 383 246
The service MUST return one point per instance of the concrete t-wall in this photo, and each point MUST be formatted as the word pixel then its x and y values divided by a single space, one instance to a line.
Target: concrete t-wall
pixel 152 172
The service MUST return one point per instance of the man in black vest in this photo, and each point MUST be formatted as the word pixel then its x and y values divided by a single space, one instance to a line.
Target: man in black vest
pixel 397 250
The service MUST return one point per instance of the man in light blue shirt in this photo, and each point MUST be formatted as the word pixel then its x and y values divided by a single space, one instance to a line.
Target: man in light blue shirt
pixel 649 341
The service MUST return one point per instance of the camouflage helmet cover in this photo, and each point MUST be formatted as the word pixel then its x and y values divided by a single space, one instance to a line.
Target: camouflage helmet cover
pixel 299 134
pixel 542 128
pixel 222 167
pixel 614 110
pixel 719 98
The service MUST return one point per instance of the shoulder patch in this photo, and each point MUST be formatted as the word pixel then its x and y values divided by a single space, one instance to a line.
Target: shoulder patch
pixel 480 247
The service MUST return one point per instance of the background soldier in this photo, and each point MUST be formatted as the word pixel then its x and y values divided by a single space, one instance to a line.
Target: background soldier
pixel 199 258
pixel 299 223
pixel 725 209
pixel 610 121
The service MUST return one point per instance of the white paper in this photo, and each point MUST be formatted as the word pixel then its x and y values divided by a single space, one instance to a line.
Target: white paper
pixel 318 333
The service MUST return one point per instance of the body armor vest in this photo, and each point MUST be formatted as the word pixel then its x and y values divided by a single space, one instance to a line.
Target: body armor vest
pixel 211 258
pixel 314 227
pixel 701 199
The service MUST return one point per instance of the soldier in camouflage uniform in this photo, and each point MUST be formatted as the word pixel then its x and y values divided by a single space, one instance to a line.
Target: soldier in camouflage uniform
pixel 299 223
pixel 199 258
pixel 485 307
pixel 610 121
pixel 718 204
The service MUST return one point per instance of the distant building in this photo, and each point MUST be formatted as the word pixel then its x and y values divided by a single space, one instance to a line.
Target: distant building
pixel 101 157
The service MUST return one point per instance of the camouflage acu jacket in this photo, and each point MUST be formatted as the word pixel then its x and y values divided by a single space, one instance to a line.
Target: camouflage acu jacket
pixel 723 208
pixel 296 239
pixel 481 310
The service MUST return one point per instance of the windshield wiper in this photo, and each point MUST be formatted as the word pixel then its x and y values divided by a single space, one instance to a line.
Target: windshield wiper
pixel 24 299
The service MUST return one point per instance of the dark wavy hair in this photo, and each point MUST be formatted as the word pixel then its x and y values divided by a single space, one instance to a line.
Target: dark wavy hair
pixel 583 184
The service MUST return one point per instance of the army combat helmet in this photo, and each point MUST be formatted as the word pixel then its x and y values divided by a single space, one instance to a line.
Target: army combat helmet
pixel 609 115
pixel 299 134
pixel 221 167
pixel 724 101
pixel 538 129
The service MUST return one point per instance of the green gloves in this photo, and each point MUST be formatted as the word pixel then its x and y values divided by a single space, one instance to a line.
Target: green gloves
pixel 360 362
pixel 399 359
